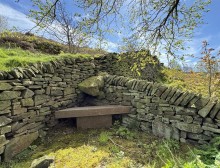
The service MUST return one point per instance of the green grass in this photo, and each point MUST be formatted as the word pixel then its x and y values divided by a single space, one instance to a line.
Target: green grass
pixel 73 147
pixel 16 57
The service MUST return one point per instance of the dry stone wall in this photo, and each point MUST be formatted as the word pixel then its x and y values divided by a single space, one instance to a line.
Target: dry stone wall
pixel 163 111
pixel 29 96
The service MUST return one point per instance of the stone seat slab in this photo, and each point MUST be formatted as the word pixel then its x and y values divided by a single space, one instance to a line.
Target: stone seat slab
pixel 92 111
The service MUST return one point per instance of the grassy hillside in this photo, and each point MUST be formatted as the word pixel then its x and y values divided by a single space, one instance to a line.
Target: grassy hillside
pixel 35 43
pixel 19 50
pixel 16 57
pixel 192 81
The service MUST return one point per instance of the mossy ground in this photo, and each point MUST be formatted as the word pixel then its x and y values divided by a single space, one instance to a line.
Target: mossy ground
pixel 103 148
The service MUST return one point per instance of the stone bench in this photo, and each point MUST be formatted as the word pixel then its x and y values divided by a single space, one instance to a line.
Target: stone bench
pixel 92 116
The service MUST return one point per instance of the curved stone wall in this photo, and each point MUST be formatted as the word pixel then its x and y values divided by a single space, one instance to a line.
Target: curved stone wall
pixel 164 111
pixel 29 96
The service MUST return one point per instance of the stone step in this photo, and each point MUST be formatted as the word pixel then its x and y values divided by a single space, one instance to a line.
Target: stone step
pixel 92 111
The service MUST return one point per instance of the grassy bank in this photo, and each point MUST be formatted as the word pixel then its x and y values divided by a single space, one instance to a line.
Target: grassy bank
pixel 16 57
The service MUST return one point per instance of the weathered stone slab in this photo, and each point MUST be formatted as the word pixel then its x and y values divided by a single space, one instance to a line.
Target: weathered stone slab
pixel 4 121
pixel 27 102
pixel 92 111
pixel 215 130
pixel 4 105
pixel 206 110
pixel 195 99
pixel 92 85
pixel 28 127
pixel 215 110
pixel 175 97
pixel 2 149
pixel 187 99
pixel 161 89
pixel 198 136
pixel 56 79
pixel 9 95
pixel 171 94
pixel 68 91
pixel 39 92
pixel 5 86
pixel 164 130
pixel 27 93
pixel 40 99
pixel 56 91
pixel 146 126
pixel 18 144
pixel 18 111
pixel 199 104
pixel 193 128
pixel 181 98
pixel 5 129
pixel 166 93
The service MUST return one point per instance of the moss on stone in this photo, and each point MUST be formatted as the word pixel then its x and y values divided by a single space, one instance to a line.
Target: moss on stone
pixel 92 85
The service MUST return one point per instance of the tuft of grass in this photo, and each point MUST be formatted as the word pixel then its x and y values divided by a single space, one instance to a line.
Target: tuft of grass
pixel 103 138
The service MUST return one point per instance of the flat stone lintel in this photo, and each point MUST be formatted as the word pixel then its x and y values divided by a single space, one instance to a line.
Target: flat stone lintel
pixel 94 122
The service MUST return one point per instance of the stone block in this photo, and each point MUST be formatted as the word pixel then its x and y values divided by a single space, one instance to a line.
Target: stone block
pixel 56 79
pixel 9 95
pixel 3 140
pixel 5 129
pixel 27 93
pixel 94 122
pixel 4 105
pixel 146 126
pixel 56 91
pixel 166 93
pixel 92 85
pixel 18 144
pixel 17 111
pixel 164 130
pixel 206 109
pixel 215 130
pixel 202 102
pixel 40 99
pixel 92 111
pixel 4 121
pixel 198 136
pixel 187 119
pixel 187 99
pixel 5 86
pixel 193 128
pixel 2 149
pixel 175 96
pixel 180 98
pixel 39 92
pixel 69 90
pixel 28 102
pixel 215 110
pixel 161 89
pixel 36 86
pixel 171 94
